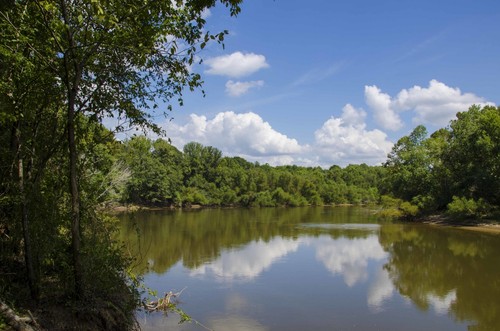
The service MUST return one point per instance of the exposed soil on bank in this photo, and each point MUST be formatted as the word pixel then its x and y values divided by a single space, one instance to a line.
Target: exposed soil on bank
pixel 488 226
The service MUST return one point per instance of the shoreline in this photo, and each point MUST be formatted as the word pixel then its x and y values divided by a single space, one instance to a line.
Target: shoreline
pixel 134 208
pixel 489 226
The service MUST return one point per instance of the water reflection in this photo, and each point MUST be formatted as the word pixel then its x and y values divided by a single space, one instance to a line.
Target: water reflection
pixel 349 257
pixel 161 239
pixel 447 271
pixel 236 305
pixel 441 304
pixel 234 322
pixel 332 262
pixel 249 261
pixel 381 289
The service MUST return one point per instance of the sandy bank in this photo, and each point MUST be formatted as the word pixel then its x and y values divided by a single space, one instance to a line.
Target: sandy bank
pixel 488 226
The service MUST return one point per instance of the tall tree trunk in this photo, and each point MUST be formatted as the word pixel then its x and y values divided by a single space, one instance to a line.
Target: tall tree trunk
pixel 75 201
pixel 28 252
pixel 72 77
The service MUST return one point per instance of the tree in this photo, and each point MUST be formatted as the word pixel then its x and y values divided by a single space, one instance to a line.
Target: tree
pixel 439 192
pixel 98 59
pixel 455 167
pixel 171 159
pixel 473 154
pixel 117 59
pixel 409 165
pixel 201 160
pixel 30 115
pixel 156 174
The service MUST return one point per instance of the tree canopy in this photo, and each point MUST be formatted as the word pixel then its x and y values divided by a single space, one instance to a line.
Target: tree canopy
pixel 65 66
pixel 456 167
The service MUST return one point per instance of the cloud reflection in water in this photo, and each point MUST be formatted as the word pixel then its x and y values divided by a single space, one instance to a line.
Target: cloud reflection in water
pixel 381 289
pixel 349 257
pixel 342 256
pixel 442 304
pixel 249 262
pixel 236 322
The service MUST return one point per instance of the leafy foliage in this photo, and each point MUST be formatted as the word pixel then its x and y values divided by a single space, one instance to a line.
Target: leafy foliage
pixel 162 175
pixel 64 67
pixel 456 168
pixel 463 207
pixel 473 154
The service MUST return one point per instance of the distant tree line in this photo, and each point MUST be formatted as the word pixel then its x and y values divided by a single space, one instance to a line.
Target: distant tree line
pixel 455 169
pixel 161 175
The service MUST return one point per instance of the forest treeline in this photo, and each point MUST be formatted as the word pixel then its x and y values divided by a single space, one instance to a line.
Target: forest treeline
pixel 455 169
pixel 156 173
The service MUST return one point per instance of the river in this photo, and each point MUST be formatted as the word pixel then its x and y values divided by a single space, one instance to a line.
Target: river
pixel 314 268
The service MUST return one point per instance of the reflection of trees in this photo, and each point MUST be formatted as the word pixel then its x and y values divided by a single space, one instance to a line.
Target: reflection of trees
pixel 198 236
pixel 429 263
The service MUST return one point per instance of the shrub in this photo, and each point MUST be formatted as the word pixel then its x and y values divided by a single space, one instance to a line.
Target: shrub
pixel 408 210
pixel 387 201
pixel 463 207
pixel 264 199
pixel 397 208
pixel 425 202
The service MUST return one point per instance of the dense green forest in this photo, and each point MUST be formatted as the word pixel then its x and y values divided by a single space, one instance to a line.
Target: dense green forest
pixel 67 65
pixel 159 174
pixel 455 169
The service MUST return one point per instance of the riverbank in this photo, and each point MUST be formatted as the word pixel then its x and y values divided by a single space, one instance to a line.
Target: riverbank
pixel 134 207
pixel 487 226
pixel 108 299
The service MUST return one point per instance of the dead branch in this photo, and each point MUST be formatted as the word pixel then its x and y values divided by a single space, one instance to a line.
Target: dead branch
pixel 165 303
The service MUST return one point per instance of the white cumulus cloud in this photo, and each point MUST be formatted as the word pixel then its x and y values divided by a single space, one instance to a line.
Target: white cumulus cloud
pixel 236 89
pixel 383 113
pixel 236 64
pixel 351 138
pixel 341 141
pixel 345 139
pixel 206 13
pixel 434 105
pixel 245 134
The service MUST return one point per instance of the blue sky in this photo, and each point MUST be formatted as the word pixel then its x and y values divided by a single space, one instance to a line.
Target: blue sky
pixel 338 82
